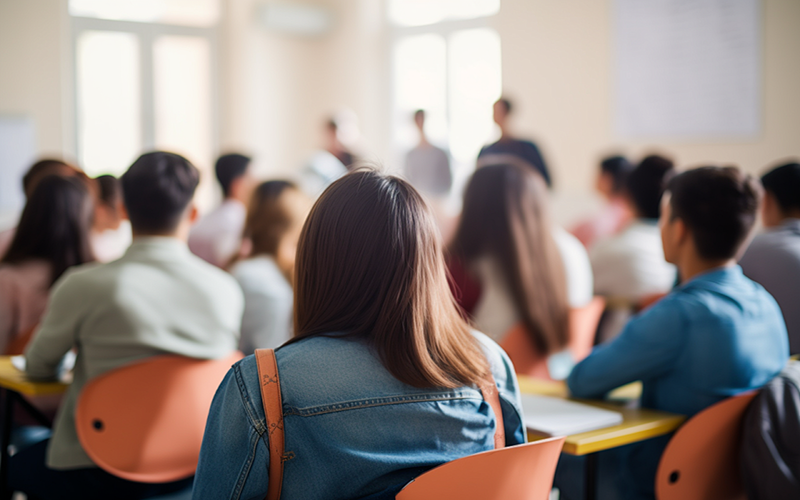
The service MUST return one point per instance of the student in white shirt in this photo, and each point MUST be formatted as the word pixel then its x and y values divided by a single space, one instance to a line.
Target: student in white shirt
pixel 510 265
pixel 157 299
pixel 277 212
pixel 216 238
pixel 629 268
pixel 111 231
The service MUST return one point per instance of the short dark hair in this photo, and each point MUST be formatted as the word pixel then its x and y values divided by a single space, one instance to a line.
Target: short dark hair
pixel 109 190
pixel 506 103
pixel 719 205
pixel 645 184
pixel 618 167
pixel 47 167
pixel 783 183
pixel 156 189
pixel 229 168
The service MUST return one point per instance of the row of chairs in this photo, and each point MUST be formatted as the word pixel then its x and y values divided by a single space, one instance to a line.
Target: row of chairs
pixel 145 422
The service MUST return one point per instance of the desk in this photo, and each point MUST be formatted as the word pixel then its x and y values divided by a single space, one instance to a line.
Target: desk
pixel 637 424
pixel 16 385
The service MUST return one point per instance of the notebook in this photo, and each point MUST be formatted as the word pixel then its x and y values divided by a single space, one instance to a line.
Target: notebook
pixel 560 417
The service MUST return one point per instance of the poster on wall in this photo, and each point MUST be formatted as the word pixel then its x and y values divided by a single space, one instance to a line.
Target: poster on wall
pixel 17 152
pixel 687 69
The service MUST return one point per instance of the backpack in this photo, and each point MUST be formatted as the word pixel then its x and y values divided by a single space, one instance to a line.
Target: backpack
pixel 770 448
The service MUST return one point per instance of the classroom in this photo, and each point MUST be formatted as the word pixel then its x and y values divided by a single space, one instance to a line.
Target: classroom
pixel 399 249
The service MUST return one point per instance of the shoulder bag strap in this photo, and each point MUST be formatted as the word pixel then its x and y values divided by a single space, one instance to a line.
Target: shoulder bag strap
pixel 273 411
pixel 492 396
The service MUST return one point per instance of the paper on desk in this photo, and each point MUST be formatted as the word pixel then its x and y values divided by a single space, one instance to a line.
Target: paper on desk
pixel 560 417
pixel 67 364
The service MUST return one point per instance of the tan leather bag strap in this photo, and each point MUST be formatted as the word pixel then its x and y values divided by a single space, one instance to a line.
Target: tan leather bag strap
pixel 492 396
pixel 273 411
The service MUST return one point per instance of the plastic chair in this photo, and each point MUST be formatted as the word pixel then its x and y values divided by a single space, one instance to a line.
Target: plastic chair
pixel 523 472
pixel 526 358
pixel 701 460
pixel 145 421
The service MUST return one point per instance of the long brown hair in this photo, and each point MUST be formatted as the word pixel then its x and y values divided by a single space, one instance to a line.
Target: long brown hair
pixel 505 218
pixel 268 219
pixel 370 266
pixel 55 225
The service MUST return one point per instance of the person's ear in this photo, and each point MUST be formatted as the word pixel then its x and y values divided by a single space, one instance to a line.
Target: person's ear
pixel 193 213
pixel 122 211
pixel 681 232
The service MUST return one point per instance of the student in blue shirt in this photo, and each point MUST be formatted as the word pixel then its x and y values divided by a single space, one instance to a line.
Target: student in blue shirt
pixel 716 335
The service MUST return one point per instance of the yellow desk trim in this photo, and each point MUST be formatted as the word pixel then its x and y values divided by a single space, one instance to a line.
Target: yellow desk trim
pixel 11 378
pixel 638 423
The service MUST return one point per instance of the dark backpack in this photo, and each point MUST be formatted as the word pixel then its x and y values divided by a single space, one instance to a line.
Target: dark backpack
pixel 770 449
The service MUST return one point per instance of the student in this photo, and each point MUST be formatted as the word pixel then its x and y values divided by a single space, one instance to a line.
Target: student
pixel 277 212
pixel 511 265
pixel 38 171
pixel 52 236
pixel 615 215
pixel 773 259
pixel 716 335
pixel 111 231
pixel 428 167
pixel 217 236
pixel 629 268
pixel 157 299
pixel 379 383
pixel 509 145
pixel 335 147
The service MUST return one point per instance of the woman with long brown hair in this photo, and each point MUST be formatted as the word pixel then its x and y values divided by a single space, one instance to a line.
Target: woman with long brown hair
pixel 52 236
pixel 380 382
pixel 272 227
pixel 510 264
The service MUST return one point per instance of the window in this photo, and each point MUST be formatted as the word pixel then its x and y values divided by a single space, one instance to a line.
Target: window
pixel 144 81
pixel 451 68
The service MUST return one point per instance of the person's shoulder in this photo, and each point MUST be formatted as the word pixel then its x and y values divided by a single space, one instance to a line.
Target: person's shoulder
pixel 495 355
pixel 569 243
pixel 260 275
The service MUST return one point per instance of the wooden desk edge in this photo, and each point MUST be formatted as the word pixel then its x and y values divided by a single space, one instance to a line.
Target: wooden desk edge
pixel 14 380
pixel 591 442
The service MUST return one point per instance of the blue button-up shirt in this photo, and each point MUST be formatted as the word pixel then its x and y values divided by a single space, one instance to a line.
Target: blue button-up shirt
pixel 351 428
pixel 717 335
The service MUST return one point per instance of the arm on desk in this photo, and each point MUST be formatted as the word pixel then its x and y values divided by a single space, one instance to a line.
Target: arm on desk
pixel 646 348
pixel 57 333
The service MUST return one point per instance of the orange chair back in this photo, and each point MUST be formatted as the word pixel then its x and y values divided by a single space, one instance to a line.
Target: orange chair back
pixel 523 472
pixel 702 460
pixel 145 421
pixel 529 361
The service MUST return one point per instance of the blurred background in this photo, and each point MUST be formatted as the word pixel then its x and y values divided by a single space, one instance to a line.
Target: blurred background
pixel 100 81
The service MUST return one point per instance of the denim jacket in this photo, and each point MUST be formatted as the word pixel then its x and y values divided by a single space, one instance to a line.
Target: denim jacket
pixel 353 431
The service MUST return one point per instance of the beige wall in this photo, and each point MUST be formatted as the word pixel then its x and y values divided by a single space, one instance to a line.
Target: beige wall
pixel 35 74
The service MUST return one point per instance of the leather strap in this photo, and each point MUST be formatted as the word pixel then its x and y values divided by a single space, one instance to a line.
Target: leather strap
pixel 273 411
pixel 492 396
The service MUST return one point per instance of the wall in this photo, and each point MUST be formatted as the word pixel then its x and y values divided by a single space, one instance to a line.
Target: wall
pixel 557 64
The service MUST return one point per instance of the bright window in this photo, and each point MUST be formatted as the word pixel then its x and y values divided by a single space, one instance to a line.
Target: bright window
pixel 109 110
pixel 181 12
pixel 424 12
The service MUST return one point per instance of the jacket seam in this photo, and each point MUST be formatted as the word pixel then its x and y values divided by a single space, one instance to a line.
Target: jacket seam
pixel 247 467
pixel 374 402
pixel 258 424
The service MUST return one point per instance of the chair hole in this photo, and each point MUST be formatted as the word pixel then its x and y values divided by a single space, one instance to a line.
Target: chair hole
pixel 97 424
pixel 674 476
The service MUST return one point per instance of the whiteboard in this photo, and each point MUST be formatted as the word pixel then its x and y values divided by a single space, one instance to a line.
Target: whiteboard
pixel 687 69
pixel 17 153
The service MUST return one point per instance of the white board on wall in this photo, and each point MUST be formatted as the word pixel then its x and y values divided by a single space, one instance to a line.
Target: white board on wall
pixel 17 153
pixel 687 69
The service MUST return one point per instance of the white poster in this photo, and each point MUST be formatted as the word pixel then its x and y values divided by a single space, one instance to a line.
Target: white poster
pixel 687 69
pixel 17 153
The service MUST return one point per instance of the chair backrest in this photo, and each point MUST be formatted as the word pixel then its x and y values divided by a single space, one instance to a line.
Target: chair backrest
pixel 145 421
pixel 702 459
pixel 523 472
pixel 528 360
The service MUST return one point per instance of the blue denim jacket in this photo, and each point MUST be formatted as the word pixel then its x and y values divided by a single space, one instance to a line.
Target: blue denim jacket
pixel 352 429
